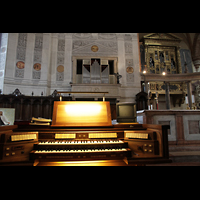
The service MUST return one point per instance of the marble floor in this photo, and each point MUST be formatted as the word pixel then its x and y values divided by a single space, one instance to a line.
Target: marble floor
pixel 182 158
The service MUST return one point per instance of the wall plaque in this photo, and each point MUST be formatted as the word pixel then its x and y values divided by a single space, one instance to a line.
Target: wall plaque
pixel 20 65
pixel 60 68
pixel 94 48
pixel 37 66
pixel 129 70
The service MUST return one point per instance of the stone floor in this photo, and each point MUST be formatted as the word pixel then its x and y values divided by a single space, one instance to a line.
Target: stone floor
pixel 182 158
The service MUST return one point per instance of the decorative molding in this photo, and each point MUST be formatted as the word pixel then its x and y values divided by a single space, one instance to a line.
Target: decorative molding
pixel 22 40
pixel 128 47
pixel 104 47
pixel 17 92
pixel 19 73
pixel 38 41
pixel 82 36
pixel 60 60
pixel 37 55
pixel 172 77
pixel 129 62
pixel 36 74
pixel 61 45
pixel 21 54
pixel 129 78
pixel 162 36
pixel 127 37
pixel 60 76
pixel 107 36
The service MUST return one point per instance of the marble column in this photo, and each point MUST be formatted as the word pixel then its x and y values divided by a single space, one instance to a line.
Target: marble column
pixel 3 53
pixel 46 57
pixel 53 63
pixel 29 57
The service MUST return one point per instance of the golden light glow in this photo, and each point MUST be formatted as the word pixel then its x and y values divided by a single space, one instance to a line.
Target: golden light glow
pixel 83 110
pixel 85 163
pixel 144 72
pixel 82 113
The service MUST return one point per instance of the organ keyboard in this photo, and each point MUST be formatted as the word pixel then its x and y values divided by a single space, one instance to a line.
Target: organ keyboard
pixel 87 149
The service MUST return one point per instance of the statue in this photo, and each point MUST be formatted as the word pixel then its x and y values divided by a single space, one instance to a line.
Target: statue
pixel 118 77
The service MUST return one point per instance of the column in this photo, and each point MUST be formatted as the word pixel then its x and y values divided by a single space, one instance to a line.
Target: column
pixel 46 57
pixel 147 90
pixel 68 59
pixel 11 54
pixel 136 62
pixel 167 95
pixel 53 62
pixel 3 53
pixel 179 60
pixel 29 56
pixel 121 58
pixel 189 93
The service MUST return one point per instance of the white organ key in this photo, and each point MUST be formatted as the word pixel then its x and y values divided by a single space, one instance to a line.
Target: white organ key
pixel 80 150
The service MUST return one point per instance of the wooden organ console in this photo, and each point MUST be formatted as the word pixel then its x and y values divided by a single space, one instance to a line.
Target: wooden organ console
pixel 87 136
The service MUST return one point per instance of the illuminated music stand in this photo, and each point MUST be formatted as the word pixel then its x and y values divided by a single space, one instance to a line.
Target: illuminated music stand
pixel 81 113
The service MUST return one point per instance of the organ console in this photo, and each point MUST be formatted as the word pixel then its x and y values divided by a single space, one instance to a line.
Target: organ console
pixel 71 140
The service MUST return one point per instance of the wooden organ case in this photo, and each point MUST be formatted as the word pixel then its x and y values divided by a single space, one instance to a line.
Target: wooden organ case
pixel 82 132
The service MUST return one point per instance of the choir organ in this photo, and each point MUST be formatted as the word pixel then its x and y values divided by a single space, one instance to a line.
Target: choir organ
pixel 85 134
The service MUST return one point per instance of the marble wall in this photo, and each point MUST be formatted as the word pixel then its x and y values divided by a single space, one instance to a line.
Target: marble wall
pixel 43 62
pixel 184 124
pixel 3 53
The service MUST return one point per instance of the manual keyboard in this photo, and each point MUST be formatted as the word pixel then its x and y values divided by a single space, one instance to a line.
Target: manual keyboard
pixel 80 149
pixel 61 142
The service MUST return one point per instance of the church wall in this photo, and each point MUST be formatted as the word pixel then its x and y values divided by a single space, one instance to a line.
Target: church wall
pixel 124 47
pixel 43 62
pixel 26 49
